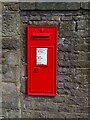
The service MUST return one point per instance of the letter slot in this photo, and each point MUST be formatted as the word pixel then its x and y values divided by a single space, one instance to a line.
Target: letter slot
pixel 40 36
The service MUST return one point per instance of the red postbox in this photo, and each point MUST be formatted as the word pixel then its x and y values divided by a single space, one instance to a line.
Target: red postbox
pixel 42 48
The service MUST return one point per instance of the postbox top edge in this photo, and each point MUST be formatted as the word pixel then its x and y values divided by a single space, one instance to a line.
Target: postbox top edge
pixel 40 26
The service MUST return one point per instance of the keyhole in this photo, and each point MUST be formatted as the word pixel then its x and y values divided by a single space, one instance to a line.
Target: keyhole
pixel 36 70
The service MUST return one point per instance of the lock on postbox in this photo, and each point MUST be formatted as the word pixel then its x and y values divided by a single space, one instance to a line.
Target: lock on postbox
pixel 42 47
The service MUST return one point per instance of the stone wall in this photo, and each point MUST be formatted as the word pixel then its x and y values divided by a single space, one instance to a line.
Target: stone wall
pixel 73 63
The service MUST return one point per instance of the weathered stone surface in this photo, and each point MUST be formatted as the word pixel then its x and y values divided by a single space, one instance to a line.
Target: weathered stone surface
pixel 38 114
pixel 83 33
pixel 81 47
pixel 57 99
pixel 35 17
pixel 50 106
pixel 33 105
pixel 9 73
pixel 77 116
pixel 10 101
pixel 11 58
pixel 9 96
pixel 72 100
pixel 43 17
pixel 59 115
pixel 74 63
pixel 65 109
pixel 4 113
pixel 1 116
pixel 82 71
pixel 24 19
pixel 7 6
pixel 24 85
pixel 67 25
pixel 13 114
pixel 75 89
pixel 27 6
pixel 85 5
pixel 79 109
pixel 43 22
pixel 65 47
pixel 10 24
pixel 80 78
pixel 64 70
pixel 82 25
pixel 10 43
pixel 27 114
pixel 81 41
pixel 50 6
pixel 23 70
pixel 34 114
pixel 66 18
pixel 68 33
pixel 81 17
pixel 9 88
pixel 58 6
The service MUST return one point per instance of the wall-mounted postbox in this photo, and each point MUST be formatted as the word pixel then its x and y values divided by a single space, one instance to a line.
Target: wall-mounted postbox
pixel 42 47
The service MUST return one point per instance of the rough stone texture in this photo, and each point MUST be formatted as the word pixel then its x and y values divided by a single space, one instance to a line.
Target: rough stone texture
pixel 82 24
pixel 27 6
pixel 10 60
pixel 73 60
pixel 10 43
pixel 58 6
pixel 10 98
pixel 10 101
pixel 50 6
pixel 85 5
pixel 13 114
pixel 10 24
pixel 10 74
pixel 10 6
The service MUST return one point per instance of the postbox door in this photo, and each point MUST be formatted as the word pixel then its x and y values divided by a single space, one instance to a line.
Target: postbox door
pixel 42 73
pixel 42 68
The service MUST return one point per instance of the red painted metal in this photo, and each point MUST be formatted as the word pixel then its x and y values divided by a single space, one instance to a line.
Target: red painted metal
pixel 42 77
